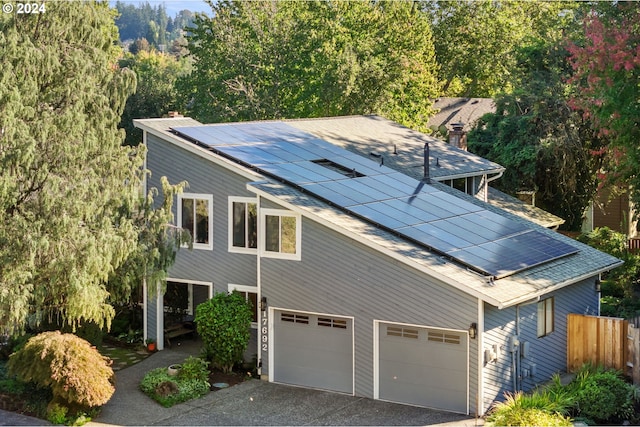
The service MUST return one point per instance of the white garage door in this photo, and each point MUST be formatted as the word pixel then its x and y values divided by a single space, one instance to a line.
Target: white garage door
pixel 313 350
pixel 423 367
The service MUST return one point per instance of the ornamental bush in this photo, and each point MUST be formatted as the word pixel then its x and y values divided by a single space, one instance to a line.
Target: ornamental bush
pixel 224 324
pixel 602 395
pixel 77 375
pixel 536 409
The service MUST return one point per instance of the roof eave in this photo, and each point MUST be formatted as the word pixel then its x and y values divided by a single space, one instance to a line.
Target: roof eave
pixel 573 280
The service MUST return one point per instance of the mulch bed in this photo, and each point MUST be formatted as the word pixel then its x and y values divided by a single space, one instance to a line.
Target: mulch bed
pixel 15 403
pixel 217 376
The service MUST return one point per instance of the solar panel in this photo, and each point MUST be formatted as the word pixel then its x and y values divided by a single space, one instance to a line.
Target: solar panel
pixel 475 237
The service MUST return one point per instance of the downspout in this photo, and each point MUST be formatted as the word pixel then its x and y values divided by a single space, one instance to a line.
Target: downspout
pixel 516 353
pixel 487 181
pixel 515 348
pixel 259 285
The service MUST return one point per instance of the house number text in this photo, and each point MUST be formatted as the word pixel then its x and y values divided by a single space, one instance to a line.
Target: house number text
pixel 265 336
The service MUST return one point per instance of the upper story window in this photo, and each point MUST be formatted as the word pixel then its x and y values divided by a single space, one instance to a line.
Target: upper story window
pixel 545 317
pixel 195 214
pixel 243 225
pixel 280 233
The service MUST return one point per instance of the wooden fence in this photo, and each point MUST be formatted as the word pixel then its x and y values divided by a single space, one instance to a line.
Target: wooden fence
pixel 599 340
pixel 632 370
pixel 633 245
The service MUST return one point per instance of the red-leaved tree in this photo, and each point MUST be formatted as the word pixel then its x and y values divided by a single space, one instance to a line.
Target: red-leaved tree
pixel 606 85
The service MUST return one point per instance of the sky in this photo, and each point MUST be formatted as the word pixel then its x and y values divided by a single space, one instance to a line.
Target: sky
pixel 172 6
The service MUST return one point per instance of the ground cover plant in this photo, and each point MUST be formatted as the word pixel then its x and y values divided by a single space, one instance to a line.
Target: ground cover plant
pixel 191 382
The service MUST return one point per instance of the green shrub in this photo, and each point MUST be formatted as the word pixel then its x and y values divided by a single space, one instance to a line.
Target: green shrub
pixel 195 368
pixel 77 375
pixel 602 395
pixel 224 324
pixel 57 414
pixel 536 409
pixel 168 390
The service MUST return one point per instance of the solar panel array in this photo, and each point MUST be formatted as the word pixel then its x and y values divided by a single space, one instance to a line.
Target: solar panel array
pixel 475 237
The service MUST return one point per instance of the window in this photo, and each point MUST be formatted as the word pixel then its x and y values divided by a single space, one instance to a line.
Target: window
pixel 195 214
pixel 243 225
pixel 250 294
pixel 281 234
pixel 399 331
pixel 331 322
pixel 294 318
pixel 545 317
pixel 336 167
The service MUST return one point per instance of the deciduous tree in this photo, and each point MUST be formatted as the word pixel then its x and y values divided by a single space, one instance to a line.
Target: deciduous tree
pixel 476 40
pixel 272 60
pixel 155 94
pixel 543 144
pixel 606 90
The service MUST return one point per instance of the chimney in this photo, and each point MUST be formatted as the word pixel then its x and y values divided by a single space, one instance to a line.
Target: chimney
pixel 457 136
pixel 174 114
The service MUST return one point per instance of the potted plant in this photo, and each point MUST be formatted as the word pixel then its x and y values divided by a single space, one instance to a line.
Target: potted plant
pixel 151 344
pixel 174 370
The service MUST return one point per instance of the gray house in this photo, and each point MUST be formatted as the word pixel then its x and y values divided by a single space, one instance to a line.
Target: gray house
pixel 365 280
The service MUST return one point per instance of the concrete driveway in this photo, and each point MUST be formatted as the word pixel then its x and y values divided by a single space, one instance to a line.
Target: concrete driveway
pixel 253 403
pixel 259 403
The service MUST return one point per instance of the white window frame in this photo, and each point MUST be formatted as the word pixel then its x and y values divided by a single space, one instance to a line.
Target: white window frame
pixel 546 317
pixel 198 196
pixel 237 249
pixel 262 229
pixel 248 289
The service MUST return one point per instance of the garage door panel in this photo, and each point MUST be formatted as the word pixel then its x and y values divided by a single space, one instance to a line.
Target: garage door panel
pixel 423 366
pixel 434 397
pixel 313 351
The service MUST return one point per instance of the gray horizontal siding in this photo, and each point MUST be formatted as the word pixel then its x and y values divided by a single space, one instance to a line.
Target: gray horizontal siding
pixel 219 265
pixel 338 275
pixel 548 354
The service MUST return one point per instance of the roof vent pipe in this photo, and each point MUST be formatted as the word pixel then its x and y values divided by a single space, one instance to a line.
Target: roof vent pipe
pixel 426 176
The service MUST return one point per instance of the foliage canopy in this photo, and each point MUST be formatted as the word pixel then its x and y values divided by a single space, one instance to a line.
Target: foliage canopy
pixel 476 41
pixel 273 60
pixel 70 210
pixel 606 65
pixel 74 370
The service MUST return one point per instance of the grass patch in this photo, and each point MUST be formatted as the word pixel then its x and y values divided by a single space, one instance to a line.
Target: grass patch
pixel 169 390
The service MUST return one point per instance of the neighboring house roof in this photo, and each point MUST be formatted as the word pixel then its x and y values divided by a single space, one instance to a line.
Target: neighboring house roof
pixel 521 286
pixel 400 148
pixel 517 207
pixel 459 110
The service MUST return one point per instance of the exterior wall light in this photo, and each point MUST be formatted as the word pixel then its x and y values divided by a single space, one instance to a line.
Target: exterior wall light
pixel 263 304
pixel 598 285
pixel 473 331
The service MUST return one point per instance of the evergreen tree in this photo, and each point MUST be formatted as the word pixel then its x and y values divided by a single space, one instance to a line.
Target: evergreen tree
pixel 69 189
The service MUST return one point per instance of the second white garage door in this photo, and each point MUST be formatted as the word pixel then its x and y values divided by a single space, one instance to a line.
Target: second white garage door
pixel 423 367
pixel 313 350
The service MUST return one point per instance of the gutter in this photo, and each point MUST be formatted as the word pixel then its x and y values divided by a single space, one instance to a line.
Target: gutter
pixel 555 287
